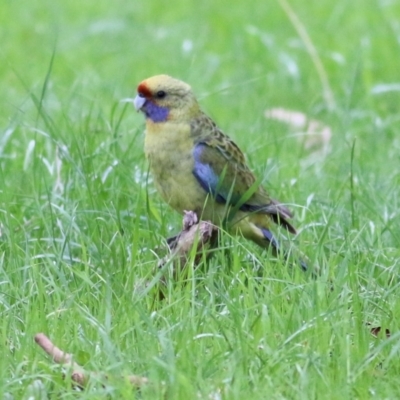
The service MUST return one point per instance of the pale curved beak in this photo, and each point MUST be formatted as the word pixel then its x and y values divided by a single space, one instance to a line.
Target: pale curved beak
pixel 138 102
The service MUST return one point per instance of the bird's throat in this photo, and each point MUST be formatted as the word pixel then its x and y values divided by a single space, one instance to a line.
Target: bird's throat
pixel 155 112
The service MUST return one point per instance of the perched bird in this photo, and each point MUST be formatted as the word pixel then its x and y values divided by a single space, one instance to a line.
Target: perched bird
pixel 195 166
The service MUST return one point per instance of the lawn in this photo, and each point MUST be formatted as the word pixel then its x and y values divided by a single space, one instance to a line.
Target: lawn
pixel 80 219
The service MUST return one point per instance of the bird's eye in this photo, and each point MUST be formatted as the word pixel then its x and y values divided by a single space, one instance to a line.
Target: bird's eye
pixel 161 94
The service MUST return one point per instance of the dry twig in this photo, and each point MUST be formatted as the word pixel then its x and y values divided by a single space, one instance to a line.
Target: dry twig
pixel 194 243
pixel 203 234
pixel 78 375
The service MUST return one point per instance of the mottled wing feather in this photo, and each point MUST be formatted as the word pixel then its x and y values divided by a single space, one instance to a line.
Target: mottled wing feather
pixel 204 128
pixel 219 175
pixel 220 167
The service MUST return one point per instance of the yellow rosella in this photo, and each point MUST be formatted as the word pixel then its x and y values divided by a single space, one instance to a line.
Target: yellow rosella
pixel 195 166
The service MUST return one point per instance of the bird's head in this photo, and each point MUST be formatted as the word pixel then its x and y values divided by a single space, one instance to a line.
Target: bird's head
pixel 163 98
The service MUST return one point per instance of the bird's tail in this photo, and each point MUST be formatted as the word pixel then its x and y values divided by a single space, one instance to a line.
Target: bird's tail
pixel 271 242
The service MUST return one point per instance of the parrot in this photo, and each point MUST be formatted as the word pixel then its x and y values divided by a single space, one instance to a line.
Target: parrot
pixel 197 167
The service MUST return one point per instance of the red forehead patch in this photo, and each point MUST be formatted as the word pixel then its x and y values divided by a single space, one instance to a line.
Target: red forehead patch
pixel 144 90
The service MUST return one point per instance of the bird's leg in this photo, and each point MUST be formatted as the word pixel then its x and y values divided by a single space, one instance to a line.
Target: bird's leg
pixel 172 241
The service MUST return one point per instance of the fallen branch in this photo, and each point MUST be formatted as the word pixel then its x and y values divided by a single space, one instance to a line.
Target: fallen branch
pixel 191 246
pixel 79 375
pixel 203 234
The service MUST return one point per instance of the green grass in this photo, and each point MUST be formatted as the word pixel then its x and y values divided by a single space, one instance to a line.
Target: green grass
pixel 77 226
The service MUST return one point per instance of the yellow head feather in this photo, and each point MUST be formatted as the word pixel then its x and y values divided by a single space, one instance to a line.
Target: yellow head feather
pixel 170 93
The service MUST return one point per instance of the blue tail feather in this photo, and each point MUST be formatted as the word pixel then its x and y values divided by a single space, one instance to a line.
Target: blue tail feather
pixel 276 247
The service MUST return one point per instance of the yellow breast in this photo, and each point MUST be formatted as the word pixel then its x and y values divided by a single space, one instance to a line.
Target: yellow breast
pixel 169 147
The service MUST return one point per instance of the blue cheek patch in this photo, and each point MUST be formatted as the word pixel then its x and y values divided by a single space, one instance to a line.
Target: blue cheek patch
pixel 156 113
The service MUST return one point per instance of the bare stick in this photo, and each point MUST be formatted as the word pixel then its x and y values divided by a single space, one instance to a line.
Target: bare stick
pixel 193 244
pixel 59 357
pixel 201 234
pixel 78 375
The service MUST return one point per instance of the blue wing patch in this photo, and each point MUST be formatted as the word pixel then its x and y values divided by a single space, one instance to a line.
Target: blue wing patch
pixel 209 168
pixel 205 174
pixel 217 177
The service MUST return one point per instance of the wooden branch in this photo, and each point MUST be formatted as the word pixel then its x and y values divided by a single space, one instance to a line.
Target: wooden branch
pixel 79 375
pixel 203 234
pixel 196 238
